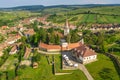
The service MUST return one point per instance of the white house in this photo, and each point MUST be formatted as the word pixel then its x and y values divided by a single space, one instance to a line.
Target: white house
pixel 84 54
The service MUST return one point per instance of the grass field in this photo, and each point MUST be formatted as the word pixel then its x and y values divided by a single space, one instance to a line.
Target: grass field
pixel 86 18
pixel 44 72
pixel 11 18
pixel 103 69
pixel 100 15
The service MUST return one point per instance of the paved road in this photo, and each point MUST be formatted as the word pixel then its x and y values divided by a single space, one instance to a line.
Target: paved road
pixel 85 71
pixel 81 66
pixel 20 33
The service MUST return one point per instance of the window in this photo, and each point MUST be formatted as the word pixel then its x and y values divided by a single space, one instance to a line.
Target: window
pixel 89 57
pixel 75 49
pixel 78 51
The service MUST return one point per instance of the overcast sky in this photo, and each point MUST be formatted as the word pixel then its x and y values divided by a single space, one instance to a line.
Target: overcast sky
pixel 13 3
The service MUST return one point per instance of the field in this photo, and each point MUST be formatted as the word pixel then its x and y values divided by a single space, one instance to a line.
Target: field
pixel 86 18
pixel 101 15
pixel 44 72
pixel 77 16
pixel 11 18
pixel 103 69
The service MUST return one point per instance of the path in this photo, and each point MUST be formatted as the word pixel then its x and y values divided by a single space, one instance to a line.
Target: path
pixel 85 71
pixel 20 33
pixel 81 66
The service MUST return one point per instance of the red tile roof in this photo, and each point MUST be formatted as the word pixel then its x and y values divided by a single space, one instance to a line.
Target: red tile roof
pixel 74 45
pixel 84 51
pixel 27 53
pixel 79 48
pixel 13 48
pixel 4 27
pixel 30 32
pixel 49 47
pixel 58 47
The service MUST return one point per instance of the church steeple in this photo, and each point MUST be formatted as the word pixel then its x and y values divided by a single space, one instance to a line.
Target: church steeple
pixel 66 28
pixel 67 24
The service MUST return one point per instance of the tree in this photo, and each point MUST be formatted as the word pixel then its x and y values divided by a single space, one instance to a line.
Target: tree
pixel 47 39
pixel 1 74
pixel 36 39
pixel 106 74
pixel 74 37
pixel 23 39
pixel 57 39
pixel 36 57
pixel 100 41
pixel 68 38
pixel 42 32
pixel 52 38
pixel 35 25
pixel 104 47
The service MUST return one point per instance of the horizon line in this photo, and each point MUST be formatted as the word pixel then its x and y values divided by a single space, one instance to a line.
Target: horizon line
pixel 61 5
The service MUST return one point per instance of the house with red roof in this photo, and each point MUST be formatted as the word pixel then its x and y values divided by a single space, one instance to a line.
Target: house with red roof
pixel 13 38
pixel 29 32
pixel 62 47
pixel 4 27
pixel 49 48
pixel 27 53
pixel 13 50
pixel 84 54
pixel 79 50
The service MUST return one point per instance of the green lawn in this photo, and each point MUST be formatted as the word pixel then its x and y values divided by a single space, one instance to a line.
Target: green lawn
pixel 91 18
pixel 44 72
pixel 9 63
pixel 103 69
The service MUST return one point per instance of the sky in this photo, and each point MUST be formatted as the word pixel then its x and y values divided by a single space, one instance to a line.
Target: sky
pixel 13 3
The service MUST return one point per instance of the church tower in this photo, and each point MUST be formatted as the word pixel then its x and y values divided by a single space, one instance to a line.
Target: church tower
pixel 66 28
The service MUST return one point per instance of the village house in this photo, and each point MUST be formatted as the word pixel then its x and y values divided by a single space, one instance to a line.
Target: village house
pixel 3 32
pixel 53 48
pixel 49 48
pixel 13 50
pixel 29 32
pixel 80 51
pixel 27 53
pixel 105 27
pixel 26 21
pixel 11 29
pixel 72 27
pixel 13 38
pixel 25 62
pixel 4 27
pixel 84 54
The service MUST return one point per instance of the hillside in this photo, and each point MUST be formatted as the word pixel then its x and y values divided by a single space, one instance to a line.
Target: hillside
pixel 88 16
pixel 77 14
pixel 41 7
